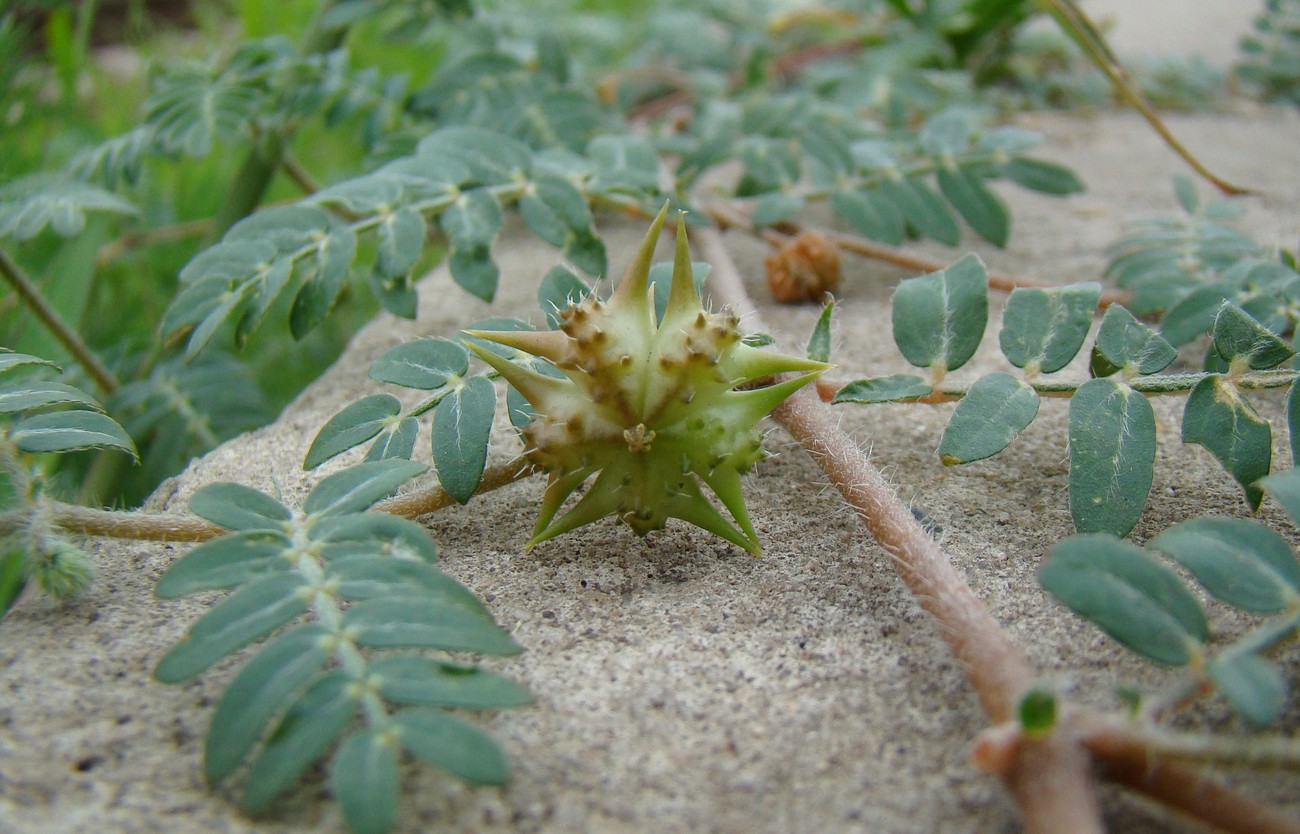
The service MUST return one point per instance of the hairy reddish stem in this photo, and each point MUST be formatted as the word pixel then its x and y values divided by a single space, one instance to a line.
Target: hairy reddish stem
pixel 1050 778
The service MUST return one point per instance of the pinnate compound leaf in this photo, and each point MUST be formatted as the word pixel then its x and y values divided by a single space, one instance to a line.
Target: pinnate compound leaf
pixel 1219 418
pixel 363 779
pixel 982 210
pixel 70 431
pixel 1237 335
pixel 395 441
pixel 224 563
pixel 237 507
pixel 1132 597
pixel 414 679
pixel 390 536
pixel 261 689
pixel 462 426
pixel 254 610
pixel 410 622
pixel 1239 561
pixel 1112 455
pixel 1043 329
pixel 424 364
pixel 884 389
pixel 310 727
pixel 995 409
pixel 939 318
pixel 1253 686
pixel 1123 341
pixel 1044 177
pixel 356 488
pixel 32 204
pixel 354 425
pixel 453 745
pixel 819 344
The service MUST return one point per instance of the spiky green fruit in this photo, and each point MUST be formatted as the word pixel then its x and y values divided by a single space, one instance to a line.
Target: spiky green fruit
pixel 652 408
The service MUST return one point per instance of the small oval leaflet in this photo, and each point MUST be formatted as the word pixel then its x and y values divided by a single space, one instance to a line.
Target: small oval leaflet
pixel 1112 455
pixel 1132 597
pixel 995 409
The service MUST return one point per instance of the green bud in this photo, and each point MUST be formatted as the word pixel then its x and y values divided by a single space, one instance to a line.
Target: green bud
pixel 63 572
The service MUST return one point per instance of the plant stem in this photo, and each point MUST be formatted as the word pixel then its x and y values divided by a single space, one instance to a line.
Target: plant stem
pixel 181 527
pixel 1152 385
pixel 1050 778
pixel 30 294
pixel 728 216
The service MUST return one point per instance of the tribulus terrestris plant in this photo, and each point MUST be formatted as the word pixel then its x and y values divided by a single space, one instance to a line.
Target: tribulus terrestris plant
pixel 640 403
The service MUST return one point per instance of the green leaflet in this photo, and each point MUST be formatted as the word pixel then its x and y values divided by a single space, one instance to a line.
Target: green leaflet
pixel 1217 417
pixel 363 779
pixel 1253 685
pixel 225 562
pixel 356 488
pixel 425 364
pixel 462 426
pixel 473 220
pixel 333 257
pixel 1043 329
pixel 995 409
pixel 1238 561
pixel 401 236
pixel 373 533
pixel 310 727
pixel 1044 177
pixel 261 689
pixel 776 206
pixel 1129 595
pixel 237 507
pixel 870 214
pixel 354 425
pixel 251 612
pixel 884 389
pixel 554 209
pixel 1285 488
pixel 410 622
pixel 10 361
pixel 452 744
pixel 70 431
pixel 819 343
pixel 1237 335
pixel 1125 342
pixel 982 210
pixel 922 208
pixel 475 271
pixel 939 318
pixel 488 156
pixel 13 578
pixel 1112 453
pixel 28 395
pixel 415 679
pixel 395 441
pixel 378 575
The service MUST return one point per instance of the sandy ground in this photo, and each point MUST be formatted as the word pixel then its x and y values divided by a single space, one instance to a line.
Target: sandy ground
pixel 681 685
